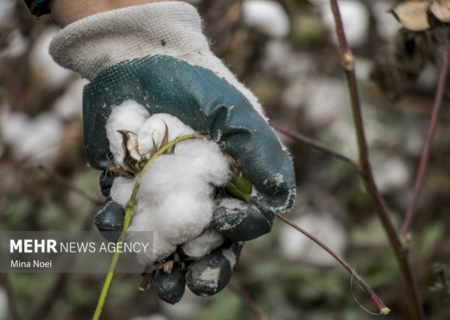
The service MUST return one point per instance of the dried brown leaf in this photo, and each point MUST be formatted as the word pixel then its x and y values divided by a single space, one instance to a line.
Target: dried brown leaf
pixel 119 172
pixel 133 146
pixel 172 151
pixel 413 15
pixel 168 266
pixel 153 149
pixel 165 140
pixel 440 11
pixel 128 161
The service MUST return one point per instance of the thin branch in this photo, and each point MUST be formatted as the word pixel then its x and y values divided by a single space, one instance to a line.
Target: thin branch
pixel 365 169
pixel 247 301
pixel 383 309
pixel 55 175
pixel 427 147
pixel 314 144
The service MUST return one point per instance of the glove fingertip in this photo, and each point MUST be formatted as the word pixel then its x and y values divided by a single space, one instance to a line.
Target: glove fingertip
pixel 109 220
pixel 170 287
pixel 210 275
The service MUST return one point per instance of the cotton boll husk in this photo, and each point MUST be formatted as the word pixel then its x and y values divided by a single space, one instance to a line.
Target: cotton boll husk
pixel 129 116
pixel 155 128
pixel 122 189
pixel 203 244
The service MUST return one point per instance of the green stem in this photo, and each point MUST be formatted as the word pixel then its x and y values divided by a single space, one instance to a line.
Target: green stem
pixel 128 214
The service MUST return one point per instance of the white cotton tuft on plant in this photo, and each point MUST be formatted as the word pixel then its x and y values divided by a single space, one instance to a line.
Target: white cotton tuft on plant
pixel 154 128
pixel 129 116
pixel 122 189
pixel 201 246
pixel 269 16
pixel 174 199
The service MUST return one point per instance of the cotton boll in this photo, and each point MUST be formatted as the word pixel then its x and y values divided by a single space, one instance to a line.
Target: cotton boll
pixel 129 116
pixel 155 128
pixel 355 18
pixel 122 189
pixel 69 105
pixel 325 228
pixel 203 244
pixel 54 75
pixel 31 137
pixel 207 160
pixel 268 15
pixel 162 248
pixel 174 196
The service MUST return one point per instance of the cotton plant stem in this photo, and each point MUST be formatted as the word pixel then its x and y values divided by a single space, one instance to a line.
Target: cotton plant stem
pixel 55 175
pixel 126 223
pixel 314 144
pixel 383 309
pixel 412 293
pixel 247 301
pixel 428 142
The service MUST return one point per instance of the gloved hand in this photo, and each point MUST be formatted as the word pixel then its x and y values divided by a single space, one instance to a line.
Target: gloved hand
pixel 157 55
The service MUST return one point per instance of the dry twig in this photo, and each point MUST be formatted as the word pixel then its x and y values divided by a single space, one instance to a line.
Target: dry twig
pixel 427 147
pixel 247 301
pixel 383 309
pixel 365 169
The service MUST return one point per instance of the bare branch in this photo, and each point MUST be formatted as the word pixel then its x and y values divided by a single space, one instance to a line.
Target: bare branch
pixel 427 147
pixel 381 305
pixel 247 301
pixel 55 175
pixel 414 302
pixel 316 145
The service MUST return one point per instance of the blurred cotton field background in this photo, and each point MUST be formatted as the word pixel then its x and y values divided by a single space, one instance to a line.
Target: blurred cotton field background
pixel 285 51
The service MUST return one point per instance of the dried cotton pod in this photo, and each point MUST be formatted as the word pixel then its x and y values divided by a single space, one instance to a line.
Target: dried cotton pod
pixel 413 15
pixel 441 10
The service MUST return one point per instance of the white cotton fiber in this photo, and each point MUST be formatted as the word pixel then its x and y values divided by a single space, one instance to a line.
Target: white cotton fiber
pixel 174 199
pixel 122 189
pixel 129 116
pixel 155 127
pixel 203 244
